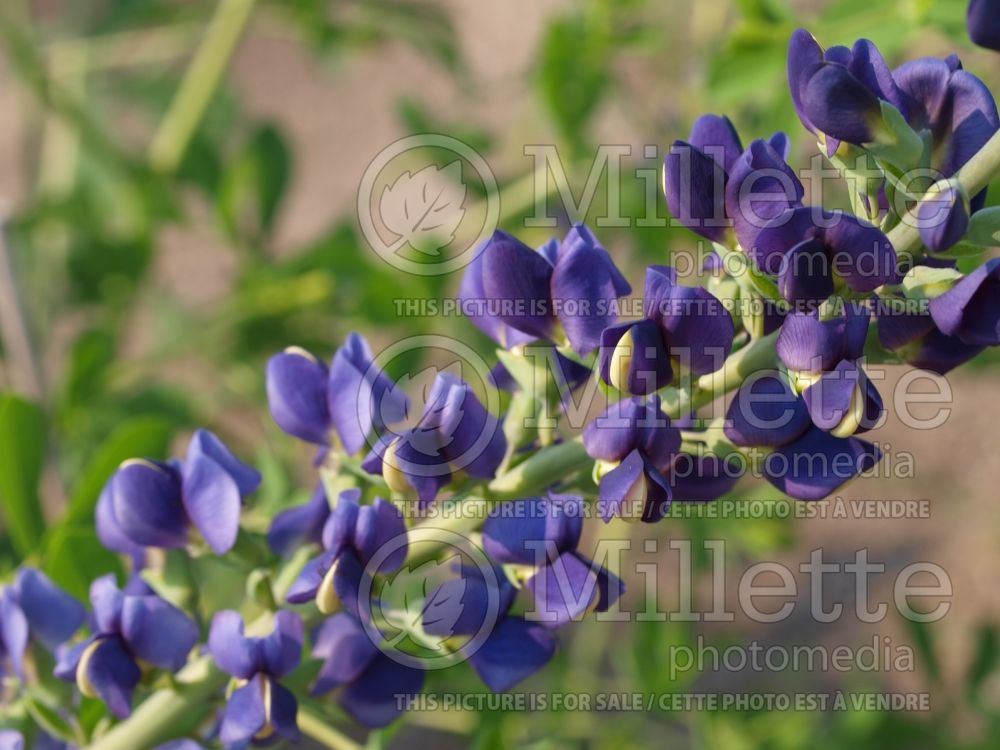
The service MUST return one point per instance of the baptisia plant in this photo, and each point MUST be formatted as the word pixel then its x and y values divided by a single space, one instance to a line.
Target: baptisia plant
pixel 249 621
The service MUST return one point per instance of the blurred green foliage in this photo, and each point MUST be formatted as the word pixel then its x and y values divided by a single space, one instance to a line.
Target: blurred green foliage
pixel 87 239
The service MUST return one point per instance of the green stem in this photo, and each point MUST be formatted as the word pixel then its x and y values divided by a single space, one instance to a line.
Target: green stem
pixel 199 84
pixel 316 727
pixel 973 177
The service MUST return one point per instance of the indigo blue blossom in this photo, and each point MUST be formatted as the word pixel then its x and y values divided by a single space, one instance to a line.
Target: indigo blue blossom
pixel 536 539
pixel 813 257
pixel 943 219
pixel 983 20
pixel 154 504
pixel 352 535
pixel 260 708
pixel 714 188
pixel 369 682
pixel 34 609
pixel 813 451
pixel 129 629
pixel 913 335
pixel 635 446
pixel 971 309
pixel 565 290
pixel 811 343
pixel 300 525
pixel 504 649
pixel 343 404
pixel 456 433
pixel 685 328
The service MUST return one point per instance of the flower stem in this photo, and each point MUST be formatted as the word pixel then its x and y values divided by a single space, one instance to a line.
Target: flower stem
pixel 202 78
pixel 316 727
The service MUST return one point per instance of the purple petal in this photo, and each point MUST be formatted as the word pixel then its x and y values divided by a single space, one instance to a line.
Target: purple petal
pixel 53 615
pixel 580 241
pixel 158 632
pixel 616 432
pixel 107 601
pixel 634 489
pixel 360 396
pixel 633 358
pixel 234 653
pixel 340 528
pixel 207 444
pixel 694 185
pixel 761 186
pixel 804 54
pixel 476 307
pixel 109 531
pixel 518 532
pixel 373 699
pixel 944 220
pixel 715 136
pixel 784 232
pixel 472 438
pixel 831 399
pixel 563 590
pixel 246 714
pixel 840 105
pixel 112 673
pixel 346 648
pixel 971 309
pixel 284 712
pixel 765 412
pixel 212 501
pixel 862 255
pixel 146 502
pixel 311 578
pixel 703 478
pixel 514 651
pixel 281 650
pixel 806 275
pixel 379 524
pixel 808 344
pixel 296 395
pixel 11 740
pixel 698 328
pixel 518 279
pixel 473 602
pixel 983 21
pixel 300 525
pixel 818 464
pixel 14 631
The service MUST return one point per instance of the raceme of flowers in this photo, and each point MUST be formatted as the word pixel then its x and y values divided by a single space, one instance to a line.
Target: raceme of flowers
pixel 808 296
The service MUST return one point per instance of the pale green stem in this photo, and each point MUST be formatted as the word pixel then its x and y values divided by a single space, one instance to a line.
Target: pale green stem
pixel 319 729
pixel 200 82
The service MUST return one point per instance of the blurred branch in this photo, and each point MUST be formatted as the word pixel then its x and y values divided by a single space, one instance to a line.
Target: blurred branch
pixel 124 49
pixel 199 84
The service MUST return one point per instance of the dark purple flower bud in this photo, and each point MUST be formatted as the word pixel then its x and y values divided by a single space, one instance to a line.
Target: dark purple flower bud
pixel 943 219
pixel 634 444
pixel 971 309
pixel 153 504
pixel 261 707
pixel 455 433
pixel 811 343
pixel 703 478
pixel 350 400
pixel 128 629
pixel 810 252
pixel 765 412
pixel 352 535
pixel 633 358
pixel 983 20
pixel 539 537
pixel 35 609
pixel 370 682
pixel 817 464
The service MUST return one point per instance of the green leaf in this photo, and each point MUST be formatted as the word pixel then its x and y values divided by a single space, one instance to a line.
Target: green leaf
pixel 925 282
pixel 49 719
pixel 923 640
pixel 986 658
pixel 22 456
pixel 142 437
pixel 961 250
pixel 984 227
pixel 74 557
pixel 254 185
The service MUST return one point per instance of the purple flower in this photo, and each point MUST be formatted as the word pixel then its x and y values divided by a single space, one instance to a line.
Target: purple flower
pixel 300 525
pixel 943 219
pixel 352 536
pixel 983 20
pixel 635 446
pixel 370 682
pixel 455 433
pixel 571 285
pixel 349 400
pixel 537 538
pixel 513 648
pixel 838 93
pixel 811 436
pixel 127 629
pixel 810 344
pixel 970 310
pixel 152 504
pixel 913 336
pixel 684 326
pixel 813 254
pixel 713 186
pixel 260 707
pixel 35 609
